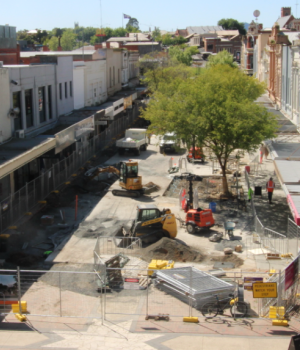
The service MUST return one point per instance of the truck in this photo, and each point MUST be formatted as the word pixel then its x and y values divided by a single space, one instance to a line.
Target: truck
pixel 135 140
pixel 168 142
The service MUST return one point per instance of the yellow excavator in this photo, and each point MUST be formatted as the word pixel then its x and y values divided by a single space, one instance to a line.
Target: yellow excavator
pixel 130 182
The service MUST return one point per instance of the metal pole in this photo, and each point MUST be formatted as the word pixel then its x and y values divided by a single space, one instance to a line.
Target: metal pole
pixel 147 296
pixel 190 307
pixel 60 308
pixel 11 209
pixel 53 177
pixel 19 289
pixel 279 291
pixel 26 188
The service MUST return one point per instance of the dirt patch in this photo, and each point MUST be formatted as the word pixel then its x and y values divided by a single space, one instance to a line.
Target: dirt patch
pixel 237 261
pixel 168 249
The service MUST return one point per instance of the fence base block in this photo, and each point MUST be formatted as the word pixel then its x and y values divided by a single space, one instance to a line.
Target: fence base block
pixel 191 319
pixel 21 318
pixel 283 323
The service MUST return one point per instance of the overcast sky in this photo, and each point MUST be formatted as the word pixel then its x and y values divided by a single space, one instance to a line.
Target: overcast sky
pixel 165 14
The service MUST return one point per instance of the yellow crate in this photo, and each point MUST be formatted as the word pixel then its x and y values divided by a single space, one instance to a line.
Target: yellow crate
pixel 160 265
pixel 15 307
pixel 277 312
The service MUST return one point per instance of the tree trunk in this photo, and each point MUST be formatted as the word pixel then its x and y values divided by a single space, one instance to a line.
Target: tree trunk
pixel 224 180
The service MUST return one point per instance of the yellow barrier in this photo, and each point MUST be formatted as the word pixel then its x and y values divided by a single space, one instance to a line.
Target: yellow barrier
pixel 283 323
pixel 160 265
pixel 21 318
pixel 191 319
pixel 16 309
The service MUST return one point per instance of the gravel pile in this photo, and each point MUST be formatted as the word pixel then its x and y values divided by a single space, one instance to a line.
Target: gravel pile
pixel 168 249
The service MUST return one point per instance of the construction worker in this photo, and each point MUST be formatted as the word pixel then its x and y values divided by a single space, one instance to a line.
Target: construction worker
pixel 250 193
pixel 270 185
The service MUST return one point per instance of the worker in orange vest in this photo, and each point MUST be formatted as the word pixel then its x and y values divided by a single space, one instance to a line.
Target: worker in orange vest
pixel 270 185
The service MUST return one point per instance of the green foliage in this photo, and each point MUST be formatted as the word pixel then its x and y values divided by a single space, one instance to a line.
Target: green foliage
pixel 215 108
pixel 53 43
pixel 223 58
pixel 230 23
pixel 156 34
pixel 168 40
pixel 39 38
pixel 68 40
pixel 183 55
pixel 133 22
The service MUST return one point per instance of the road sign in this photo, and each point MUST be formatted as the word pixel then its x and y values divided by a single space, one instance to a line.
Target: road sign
pixel 265 290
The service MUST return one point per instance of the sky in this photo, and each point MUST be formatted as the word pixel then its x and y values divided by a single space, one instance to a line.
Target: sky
pixel 165 14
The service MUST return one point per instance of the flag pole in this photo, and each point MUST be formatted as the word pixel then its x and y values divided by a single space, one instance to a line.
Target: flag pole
pixel 122 20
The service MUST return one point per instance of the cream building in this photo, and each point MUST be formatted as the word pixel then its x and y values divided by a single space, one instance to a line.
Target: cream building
pixel 6 115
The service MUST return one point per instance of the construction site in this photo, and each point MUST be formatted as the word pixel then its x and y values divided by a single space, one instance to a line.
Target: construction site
pixel 151 238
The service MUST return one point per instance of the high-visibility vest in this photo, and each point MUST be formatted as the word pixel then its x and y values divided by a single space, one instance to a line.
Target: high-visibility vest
pixel 270 186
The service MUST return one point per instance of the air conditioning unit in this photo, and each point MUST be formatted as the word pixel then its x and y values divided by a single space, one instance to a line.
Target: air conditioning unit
pixel 20 134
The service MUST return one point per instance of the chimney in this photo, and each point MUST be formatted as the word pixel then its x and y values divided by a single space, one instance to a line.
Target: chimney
pixel 98 46
pixel 46 48
pixel 285 11
pixel 108 45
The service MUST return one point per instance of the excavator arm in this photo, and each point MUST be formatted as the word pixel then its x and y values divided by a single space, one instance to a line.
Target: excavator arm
pixel 109 169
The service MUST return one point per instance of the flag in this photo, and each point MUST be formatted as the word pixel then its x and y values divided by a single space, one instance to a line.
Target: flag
pixel 126 16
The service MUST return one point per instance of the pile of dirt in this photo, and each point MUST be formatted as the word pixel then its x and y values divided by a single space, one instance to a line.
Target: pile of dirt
pixel 169 249
pixel 237 261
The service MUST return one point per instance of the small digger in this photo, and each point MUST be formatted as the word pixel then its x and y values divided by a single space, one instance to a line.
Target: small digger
pixel 151 224
pixel 130 182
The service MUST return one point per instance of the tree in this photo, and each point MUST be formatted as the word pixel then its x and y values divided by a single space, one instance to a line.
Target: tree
pixel 58 32
pixel 215 109
pixel 183 55
pixel 230 23
pixel 41 36
pixel 68 40
pixel 53 43
pixel 133 22
pixel 223 57
pixel 156 34
pixel 119 32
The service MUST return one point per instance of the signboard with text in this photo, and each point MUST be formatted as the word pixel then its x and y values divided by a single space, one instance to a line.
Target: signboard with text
pixel 264 290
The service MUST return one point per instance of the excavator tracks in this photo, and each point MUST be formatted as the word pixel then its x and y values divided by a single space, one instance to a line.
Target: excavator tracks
pixel 124 193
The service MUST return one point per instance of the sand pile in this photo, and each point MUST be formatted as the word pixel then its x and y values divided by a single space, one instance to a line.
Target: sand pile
pixel 169 249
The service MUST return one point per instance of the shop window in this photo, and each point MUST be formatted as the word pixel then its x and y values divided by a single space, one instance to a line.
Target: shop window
pixel 17 104
pixel 50 101
pixel 42 109
pixel 71 89
pixel 60 91
pixel 29 108
pixel 66 90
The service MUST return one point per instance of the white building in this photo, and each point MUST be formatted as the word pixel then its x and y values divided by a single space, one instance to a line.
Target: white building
pixel 5 115
pixel 42 93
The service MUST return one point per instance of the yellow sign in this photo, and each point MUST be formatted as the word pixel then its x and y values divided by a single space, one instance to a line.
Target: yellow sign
pixel 264 290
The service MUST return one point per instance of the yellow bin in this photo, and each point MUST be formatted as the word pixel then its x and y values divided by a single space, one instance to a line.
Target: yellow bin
pixel 16 309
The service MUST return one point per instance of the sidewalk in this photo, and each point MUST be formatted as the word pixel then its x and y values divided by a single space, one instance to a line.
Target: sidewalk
pixel 81 334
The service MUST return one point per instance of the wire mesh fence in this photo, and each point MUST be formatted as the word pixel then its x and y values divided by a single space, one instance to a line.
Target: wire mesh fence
pixel 134 290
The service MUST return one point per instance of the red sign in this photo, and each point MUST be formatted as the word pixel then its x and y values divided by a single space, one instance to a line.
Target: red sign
pixel 291 273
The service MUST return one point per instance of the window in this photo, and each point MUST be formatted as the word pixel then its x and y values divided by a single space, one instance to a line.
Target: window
pixel 29 108
pixel 71 89
pixel 17 104
pixel 42 110
pixel 110 81
pixel 210 47
pixel 60 91
pixel 149 214
pixel 66 90
pixel 118 75
pixel 50 102
pixel 114 81
pixel 95 92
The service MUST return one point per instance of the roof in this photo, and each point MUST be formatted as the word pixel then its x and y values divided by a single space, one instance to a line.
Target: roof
pixel 142 43
pixel 140 36
pixel 125 38
pixel 55 53
pixel 227 32
pixel 204 29
pixel 293 36
pixel 33 31
pixel 282 21
pixel 182 32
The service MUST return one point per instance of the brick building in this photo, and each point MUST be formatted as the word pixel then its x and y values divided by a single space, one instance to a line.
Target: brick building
pixel 9 49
